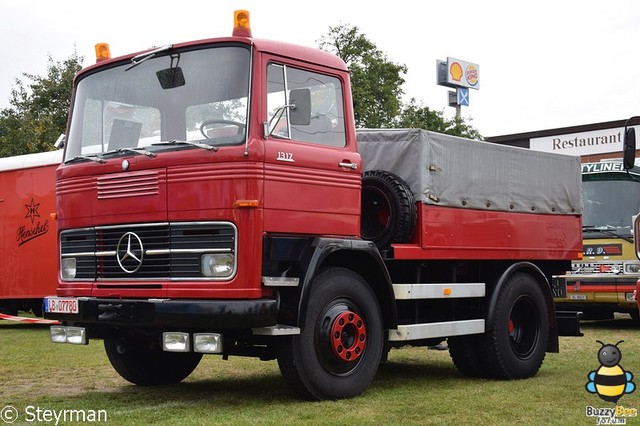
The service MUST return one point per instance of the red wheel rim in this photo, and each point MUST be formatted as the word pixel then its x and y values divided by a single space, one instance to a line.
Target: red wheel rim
pixel 348 336
pixel 383 216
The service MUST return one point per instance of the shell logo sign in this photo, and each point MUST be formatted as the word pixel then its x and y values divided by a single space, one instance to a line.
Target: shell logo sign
pixel 456 73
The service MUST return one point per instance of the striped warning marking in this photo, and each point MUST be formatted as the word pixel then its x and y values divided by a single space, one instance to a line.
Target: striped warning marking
pixel 27 320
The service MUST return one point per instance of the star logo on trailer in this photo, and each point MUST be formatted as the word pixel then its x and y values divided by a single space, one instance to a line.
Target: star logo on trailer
pixel 32 210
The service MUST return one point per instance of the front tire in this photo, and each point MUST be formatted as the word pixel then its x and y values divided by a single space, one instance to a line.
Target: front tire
pixel 515 345
pixel 339 349
pixel 143 363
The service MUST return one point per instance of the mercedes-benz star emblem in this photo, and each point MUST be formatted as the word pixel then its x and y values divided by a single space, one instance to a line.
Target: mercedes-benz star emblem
pixel 125 165
pixel 130 252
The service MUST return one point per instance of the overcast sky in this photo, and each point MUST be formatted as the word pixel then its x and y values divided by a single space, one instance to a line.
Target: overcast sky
pixel 543 64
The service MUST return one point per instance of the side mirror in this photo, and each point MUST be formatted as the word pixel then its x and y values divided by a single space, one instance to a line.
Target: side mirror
pixel 59 143
pixel 629 146
pixel 300 112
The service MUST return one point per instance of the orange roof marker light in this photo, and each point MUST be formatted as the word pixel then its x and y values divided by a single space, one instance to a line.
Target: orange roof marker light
pixel 102 52
pixel 241 24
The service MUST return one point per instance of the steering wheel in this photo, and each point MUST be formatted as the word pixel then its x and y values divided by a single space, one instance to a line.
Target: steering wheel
pixel 240 126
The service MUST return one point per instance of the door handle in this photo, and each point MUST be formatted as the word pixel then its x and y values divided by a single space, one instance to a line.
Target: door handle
pixel 352 166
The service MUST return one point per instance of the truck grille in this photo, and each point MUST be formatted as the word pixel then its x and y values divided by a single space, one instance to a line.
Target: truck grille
pixel 609 268
pixel 167 251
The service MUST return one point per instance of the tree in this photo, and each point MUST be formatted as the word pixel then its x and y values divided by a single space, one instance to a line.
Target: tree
pixel 39 109
pixel 421 117
pixel 375 81
pixel 376 86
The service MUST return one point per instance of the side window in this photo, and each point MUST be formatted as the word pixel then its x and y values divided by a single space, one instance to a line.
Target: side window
pixel 326 126
pixel 276 99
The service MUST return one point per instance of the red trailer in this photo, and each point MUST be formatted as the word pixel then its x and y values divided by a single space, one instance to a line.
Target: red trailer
pixel 28 244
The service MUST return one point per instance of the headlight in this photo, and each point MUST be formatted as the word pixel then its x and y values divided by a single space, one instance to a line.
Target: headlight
pixel 217 265
pixel 632 267
pixel 68 268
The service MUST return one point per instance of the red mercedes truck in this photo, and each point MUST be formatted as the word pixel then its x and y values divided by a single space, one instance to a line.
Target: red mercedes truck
pixel 215 198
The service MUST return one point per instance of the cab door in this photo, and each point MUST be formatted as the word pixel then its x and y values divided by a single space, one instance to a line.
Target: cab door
pixel 312 177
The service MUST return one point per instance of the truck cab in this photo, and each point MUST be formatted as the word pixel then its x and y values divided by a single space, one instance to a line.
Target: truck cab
pixel 603 281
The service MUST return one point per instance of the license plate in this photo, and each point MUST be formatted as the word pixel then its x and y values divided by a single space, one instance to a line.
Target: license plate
pixel 61 305
pixel 578 297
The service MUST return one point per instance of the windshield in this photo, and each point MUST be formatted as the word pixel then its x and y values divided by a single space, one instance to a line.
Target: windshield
pixel 196 96
pixel 610 204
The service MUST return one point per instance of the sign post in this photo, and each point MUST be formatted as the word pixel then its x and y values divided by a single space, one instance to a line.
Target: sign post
pixel 460 75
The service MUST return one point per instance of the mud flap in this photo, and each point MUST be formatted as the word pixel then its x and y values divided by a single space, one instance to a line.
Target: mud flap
pixel 569 323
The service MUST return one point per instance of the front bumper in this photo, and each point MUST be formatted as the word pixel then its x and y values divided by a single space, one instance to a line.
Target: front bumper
pixel 193 313
pixel 589 290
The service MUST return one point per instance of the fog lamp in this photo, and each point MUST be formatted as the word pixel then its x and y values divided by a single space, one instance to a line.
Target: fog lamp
pixel 58 334
pixel 64 334
pixel 207 343
pixel 173 341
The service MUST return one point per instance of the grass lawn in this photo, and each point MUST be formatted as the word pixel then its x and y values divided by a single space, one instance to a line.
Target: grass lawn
pixel 416 386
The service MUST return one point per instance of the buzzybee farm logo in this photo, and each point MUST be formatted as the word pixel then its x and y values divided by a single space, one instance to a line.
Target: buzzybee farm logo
pixel 610 382
pixel 33 229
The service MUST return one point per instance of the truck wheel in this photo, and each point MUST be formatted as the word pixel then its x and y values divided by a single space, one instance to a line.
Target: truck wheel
pixel 515 345
pixel 465 354
pixel 143 365
pixel 388 209
pixel 339 349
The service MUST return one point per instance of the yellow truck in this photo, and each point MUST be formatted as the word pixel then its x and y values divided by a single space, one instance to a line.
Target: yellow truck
pixel 603 282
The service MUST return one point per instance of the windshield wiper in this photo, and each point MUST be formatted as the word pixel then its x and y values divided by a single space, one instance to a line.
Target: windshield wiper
pixel 196 144
pixel 138 59
pixel 134 150
pixel 607 231
pixel 92 157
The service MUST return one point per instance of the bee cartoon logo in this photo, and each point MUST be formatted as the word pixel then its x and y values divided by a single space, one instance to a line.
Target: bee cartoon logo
pixel 610 381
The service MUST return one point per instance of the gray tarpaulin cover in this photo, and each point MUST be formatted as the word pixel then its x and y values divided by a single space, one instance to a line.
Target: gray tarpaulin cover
pixel 451 171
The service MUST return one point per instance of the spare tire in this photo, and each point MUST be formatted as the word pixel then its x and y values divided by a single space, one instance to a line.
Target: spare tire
pixel 388 212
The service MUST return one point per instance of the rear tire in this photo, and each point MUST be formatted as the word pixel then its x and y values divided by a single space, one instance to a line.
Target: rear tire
pixel 339 349
pixel 515 345
pixel 465 354
pixel 147 364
